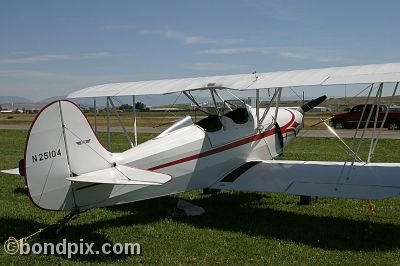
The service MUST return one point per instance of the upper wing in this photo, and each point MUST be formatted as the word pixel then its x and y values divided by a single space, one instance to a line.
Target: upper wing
pixel 324 76
pixel 333 179
pixel 123 175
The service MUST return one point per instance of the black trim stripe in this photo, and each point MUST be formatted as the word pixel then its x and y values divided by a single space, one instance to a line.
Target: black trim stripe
pixel 232 176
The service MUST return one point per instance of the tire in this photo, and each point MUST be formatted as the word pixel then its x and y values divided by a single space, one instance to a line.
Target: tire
pixel 338 125
pixel 393 125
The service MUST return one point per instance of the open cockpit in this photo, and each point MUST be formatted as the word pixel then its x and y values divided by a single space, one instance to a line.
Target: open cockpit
pixel 233 110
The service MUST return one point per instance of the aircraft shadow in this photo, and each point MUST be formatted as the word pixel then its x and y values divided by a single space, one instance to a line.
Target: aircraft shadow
pixel 19 228
pixel 20 190
pixel 236 213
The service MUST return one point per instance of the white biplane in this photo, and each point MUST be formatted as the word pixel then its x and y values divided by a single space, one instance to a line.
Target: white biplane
pixel 66 168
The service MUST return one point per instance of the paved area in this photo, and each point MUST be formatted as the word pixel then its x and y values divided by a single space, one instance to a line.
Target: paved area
pixel 14 127
pixel 100 129
pixel 349 133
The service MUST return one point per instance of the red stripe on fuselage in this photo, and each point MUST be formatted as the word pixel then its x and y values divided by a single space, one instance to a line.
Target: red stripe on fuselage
pixel 229 146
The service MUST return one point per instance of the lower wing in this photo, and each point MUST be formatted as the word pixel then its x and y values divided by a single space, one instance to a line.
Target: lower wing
pixel 314 178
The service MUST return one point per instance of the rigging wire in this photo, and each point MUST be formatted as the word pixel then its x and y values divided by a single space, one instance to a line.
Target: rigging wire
pixel 296 93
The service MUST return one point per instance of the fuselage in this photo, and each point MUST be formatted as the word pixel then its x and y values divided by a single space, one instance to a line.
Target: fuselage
pixel 196 158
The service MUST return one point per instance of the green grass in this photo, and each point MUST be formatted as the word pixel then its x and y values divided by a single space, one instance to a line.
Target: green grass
pixel 237 228
pixel 330 149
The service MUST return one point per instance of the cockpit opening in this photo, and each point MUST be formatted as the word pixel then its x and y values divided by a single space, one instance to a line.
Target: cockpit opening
pixel 239 116
pixel 211 123
pixel 234 110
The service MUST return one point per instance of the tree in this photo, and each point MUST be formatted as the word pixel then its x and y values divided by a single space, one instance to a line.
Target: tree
pixel 128 108
pixel 140 106
pixel 125 107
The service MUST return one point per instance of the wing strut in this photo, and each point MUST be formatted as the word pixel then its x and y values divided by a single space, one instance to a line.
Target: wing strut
pixel 134 118
pixel 215 104
pixel 375 103
pixel 372 148
pixel 193 100
pixel 277 103
pixel 260 121
pixel 95 114
pixel 120 122
pixel 375 122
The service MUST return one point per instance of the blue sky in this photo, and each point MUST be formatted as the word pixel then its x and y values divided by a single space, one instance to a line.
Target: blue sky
pixel 50 48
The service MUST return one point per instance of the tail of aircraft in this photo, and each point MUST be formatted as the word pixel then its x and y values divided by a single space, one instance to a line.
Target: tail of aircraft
pixel 60 144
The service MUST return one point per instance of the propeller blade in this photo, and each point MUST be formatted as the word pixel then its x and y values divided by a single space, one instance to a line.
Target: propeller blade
pixel 280 135
pixel 311 104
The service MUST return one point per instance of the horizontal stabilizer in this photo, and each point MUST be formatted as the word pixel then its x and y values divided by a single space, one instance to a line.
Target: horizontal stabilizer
pixel 123 175
pixel 313 178
pixel 11 171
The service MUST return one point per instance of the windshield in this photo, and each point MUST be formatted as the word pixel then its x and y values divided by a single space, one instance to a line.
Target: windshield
pixel 184 122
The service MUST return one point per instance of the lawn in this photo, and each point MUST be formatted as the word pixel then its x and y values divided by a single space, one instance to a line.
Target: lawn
pixel 237 228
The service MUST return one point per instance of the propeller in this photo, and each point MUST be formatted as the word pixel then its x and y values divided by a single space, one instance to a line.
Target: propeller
pixel 311 104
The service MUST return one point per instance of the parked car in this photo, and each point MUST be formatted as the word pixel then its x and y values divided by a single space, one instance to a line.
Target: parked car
pixel 351 119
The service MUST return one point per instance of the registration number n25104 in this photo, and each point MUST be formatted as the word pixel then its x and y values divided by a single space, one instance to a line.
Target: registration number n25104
pixel 45 155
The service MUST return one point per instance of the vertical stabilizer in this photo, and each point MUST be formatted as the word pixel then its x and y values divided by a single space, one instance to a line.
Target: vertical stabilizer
pixel 60 144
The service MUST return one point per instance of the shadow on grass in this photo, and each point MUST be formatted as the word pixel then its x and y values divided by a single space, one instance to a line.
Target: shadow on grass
pixel 20 190
pixel 157 209
pixel 16 227
pixel 19 228
pixel 236 212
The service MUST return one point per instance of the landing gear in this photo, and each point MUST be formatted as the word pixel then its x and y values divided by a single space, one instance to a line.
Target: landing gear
pixel 54 229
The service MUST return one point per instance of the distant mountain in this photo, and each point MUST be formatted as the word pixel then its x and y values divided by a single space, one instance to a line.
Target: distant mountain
pixel 13 99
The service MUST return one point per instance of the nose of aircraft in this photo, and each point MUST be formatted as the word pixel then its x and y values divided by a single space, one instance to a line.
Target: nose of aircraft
pixel 298 120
